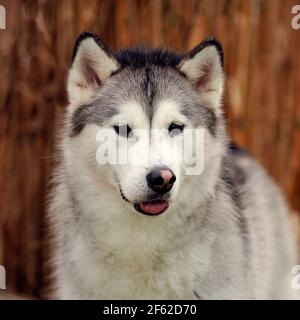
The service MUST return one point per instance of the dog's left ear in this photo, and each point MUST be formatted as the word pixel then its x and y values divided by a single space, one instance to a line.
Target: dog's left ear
pixel 92 64
pixel 203 66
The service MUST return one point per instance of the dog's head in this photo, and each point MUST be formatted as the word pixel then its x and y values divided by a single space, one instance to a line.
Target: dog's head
pixel 134 113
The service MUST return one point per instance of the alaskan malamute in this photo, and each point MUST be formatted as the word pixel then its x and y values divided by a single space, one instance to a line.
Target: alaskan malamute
pixel 152 229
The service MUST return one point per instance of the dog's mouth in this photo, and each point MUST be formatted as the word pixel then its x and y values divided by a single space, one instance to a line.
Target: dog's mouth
pixel 151 208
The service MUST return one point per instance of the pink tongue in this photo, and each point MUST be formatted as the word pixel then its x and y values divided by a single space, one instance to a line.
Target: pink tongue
pixel 154 207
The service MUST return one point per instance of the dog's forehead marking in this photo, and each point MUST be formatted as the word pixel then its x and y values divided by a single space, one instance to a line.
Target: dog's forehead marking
pixel 148 83
pixel 149 89
pixel 158 84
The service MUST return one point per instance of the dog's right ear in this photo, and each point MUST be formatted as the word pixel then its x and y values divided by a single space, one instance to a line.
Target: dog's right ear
pixel 203 67
pixel 92 64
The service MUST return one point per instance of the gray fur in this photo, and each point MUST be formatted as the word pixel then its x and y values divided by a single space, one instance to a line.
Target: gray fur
pixel 91 113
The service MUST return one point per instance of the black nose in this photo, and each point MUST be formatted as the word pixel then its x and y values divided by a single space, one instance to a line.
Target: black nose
pixel 161 180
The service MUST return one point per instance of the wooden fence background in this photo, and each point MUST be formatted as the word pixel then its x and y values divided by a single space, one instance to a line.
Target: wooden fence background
pixel 262 95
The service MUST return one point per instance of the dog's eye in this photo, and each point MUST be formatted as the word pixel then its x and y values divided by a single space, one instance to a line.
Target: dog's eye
pixel 122 129
pixel 175 129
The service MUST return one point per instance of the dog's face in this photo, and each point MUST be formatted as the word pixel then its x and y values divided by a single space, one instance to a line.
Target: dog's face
pixel 134 118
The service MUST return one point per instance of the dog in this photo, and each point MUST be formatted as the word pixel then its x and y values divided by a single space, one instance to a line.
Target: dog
pixel 150 229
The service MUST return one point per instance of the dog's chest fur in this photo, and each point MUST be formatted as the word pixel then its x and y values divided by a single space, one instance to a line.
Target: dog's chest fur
pixel 134 270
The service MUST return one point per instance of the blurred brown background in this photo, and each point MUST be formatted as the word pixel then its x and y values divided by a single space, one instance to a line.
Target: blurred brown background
pixel 262 99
